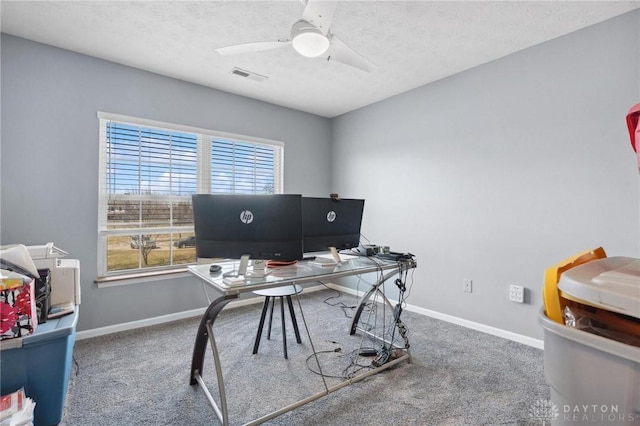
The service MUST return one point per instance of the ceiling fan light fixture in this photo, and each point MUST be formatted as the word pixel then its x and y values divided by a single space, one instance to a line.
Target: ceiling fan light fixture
pixel 308 40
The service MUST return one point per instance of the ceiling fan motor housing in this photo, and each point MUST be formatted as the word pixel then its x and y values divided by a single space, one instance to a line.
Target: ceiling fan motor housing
pixel 308 40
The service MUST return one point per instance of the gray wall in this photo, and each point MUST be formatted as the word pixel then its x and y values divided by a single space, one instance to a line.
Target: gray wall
pixel 497 173
pixel 49 164
pixel 493 174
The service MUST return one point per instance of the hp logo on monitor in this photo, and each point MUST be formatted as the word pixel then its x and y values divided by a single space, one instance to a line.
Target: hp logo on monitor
pixel 246 216
pixel 331 216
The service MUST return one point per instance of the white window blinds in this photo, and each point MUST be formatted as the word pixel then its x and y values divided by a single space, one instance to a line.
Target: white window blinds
pixel 240 167
pixel 148 172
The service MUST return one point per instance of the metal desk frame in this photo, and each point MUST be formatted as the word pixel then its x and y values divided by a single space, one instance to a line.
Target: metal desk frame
pixel 304 272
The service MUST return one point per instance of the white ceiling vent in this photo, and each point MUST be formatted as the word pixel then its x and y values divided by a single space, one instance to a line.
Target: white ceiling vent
pixel 248 74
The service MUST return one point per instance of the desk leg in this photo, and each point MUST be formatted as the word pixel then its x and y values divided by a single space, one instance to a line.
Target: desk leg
pixel 365 298
pixel 204 335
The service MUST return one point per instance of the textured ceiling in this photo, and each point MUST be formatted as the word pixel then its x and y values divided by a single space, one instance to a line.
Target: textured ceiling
pixel 412 43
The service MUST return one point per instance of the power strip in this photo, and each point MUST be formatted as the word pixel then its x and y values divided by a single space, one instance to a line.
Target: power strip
pixel 368 352
pixel 394 256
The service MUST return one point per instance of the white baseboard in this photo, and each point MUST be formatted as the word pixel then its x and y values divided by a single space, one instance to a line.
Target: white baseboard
pixel 525 340
pixel 102 331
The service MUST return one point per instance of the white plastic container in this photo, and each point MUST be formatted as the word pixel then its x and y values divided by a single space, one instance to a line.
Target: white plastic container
pixel 594 380
pixel 612 283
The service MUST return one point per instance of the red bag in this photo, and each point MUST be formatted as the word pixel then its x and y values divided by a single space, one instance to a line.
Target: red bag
pixel 18 315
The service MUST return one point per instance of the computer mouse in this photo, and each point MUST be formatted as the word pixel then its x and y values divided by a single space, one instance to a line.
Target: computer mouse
pixel 215 268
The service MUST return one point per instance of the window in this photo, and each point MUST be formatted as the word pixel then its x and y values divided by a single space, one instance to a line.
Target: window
pixel 148 172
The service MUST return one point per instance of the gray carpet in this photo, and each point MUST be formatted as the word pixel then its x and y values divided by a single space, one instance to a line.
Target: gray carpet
pixel 457 376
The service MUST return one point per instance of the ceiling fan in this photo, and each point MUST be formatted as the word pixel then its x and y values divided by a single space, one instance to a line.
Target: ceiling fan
pixel 310 37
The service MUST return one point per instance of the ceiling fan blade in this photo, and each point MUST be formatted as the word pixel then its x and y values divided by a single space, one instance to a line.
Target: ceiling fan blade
pixel 340 52
pixel 256 46
pixel 320 13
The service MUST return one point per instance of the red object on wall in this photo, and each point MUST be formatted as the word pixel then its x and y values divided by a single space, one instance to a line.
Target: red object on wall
pixel 633 124
pixel 633 117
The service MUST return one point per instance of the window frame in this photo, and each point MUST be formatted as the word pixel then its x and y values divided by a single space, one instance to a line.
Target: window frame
pixel 203 186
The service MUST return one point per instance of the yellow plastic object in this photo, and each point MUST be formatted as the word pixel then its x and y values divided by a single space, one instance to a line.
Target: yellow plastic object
pixel 550 292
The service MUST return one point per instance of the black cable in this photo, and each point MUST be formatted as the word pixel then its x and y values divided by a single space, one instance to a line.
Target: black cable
pixel 341 304
pixel 362 236
pixel 355 355
pixel 75 361
pixel 372 305
pixel 399 324
pixel 380 289
pixel 396 325
pixel 319 373
pixel 410 285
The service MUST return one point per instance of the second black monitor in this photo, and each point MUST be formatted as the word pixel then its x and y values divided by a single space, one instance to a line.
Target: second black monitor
pixel 331 223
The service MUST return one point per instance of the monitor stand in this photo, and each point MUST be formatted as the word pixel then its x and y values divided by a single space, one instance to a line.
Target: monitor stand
pixel 239 276
pixel 335 254
pixel 242 268
pixel 324 261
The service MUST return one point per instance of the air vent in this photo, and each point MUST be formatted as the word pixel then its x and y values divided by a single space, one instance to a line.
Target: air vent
pixel 248 74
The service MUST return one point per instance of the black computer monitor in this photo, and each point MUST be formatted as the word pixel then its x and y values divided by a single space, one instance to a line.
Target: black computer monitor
pixel 329 222
pixel 261 226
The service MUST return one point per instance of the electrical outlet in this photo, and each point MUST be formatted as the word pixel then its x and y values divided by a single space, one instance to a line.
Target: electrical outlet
pixel 467 285
pixel 516 293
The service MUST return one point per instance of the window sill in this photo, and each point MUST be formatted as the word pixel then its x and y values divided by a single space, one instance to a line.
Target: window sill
pixel 141 277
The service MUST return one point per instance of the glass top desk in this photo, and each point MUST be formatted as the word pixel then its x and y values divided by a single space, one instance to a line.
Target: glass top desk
pixel 300 273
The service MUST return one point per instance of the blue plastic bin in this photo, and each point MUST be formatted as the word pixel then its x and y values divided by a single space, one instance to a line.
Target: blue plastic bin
pixel 41 363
